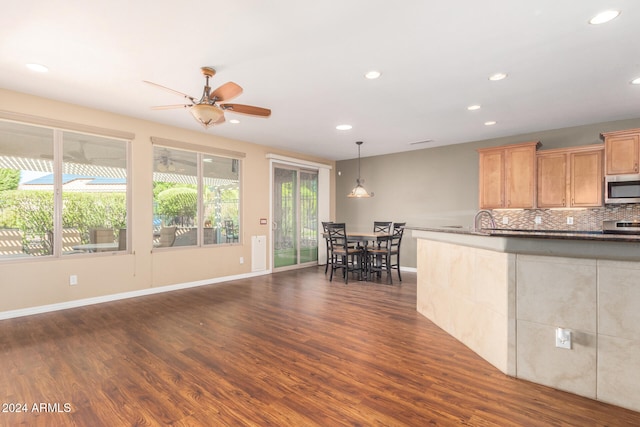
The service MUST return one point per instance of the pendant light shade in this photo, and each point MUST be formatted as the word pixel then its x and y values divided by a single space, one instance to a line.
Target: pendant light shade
pixel 359 191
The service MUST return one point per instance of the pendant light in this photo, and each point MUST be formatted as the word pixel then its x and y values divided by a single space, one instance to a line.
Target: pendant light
pixel 359 191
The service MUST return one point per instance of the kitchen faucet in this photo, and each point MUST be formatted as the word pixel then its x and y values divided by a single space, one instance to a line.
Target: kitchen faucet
pixel 477 223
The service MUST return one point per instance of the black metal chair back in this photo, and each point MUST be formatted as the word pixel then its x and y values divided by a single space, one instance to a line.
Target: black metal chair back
pixel 394 246
pixel 343 257
pixel 325 231
pixel 382 226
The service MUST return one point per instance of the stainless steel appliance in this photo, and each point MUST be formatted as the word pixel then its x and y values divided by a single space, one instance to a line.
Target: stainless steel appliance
pixel 622 189
pixel 621 227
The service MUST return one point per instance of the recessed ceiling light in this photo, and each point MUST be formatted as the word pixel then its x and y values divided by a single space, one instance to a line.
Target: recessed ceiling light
pixel 344 127
pixel 636 81
pixel 39 68
pixel 373 74
pixel 234 121
pixel 497 76
pixel 605 16
pixel 490 123
pixel 473 107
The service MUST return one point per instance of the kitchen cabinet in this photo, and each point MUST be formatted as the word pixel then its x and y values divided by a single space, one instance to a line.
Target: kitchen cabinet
pixel 507 176
pixel 570 177
pixel 622 151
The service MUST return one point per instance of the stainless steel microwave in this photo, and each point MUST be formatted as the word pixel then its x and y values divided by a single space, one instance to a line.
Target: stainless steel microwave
pixel 622 189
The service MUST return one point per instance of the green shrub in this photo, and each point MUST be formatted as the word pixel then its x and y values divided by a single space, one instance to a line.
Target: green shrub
pixel 179 203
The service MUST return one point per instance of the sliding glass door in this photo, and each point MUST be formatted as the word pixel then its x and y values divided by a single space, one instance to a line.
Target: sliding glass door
pixel 295 217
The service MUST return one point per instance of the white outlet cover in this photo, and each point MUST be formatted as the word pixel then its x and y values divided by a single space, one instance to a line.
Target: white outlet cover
pixel 505 220
pixel 538 220
pixel 570 220
pixel 563 338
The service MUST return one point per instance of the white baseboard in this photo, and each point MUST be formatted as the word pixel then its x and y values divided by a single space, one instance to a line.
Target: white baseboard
pixel 124 295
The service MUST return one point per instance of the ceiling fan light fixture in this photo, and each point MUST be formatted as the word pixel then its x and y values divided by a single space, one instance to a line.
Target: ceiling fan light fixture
pixel 359 191
pixel 207 115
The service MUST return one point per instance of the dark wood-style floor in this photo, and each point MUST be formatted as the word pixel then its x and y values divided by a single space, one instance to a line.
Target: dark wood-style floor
pixel 289 349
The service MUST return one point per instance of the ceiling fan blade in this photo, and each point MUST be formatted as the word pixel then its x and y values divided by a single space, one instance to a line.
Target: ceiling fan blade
pixel 169 107
pixel 226 92
pixel 184 95
pixel 247 109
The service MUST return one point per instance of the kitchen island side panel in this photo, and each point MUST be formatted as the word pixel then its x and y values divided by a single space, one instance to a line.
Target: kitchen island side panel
pixel 470 293
pixel 547 283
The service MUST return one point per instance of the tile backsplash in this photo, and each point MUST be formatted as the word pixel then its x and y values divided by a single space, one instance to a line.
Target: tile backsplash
pixel 556 219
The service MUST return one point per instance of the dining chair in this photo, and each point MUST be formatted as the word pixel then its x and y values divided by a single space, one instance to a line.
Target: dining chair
pixel 387 257
pixel 167 236
pixel 382 227
pixel 70 237
pixel 396 240
pixel 122 239
pixel 343 256
pixel 325 232
pixel 101 235
pixel 230 231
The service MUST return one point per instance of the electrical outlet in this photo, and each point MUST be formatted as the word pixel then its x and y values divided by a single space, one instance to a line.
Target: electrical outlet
pixel 570 220
pixel 73 280
pixel 505 220
pixel 241 260
pixel 538 220
pixel 563 338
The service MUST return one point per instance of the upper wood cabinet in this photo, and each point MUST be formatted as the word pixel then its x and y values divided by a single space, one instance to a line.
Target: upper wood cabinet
pixel 622 151
pixel 507 176
pixel 552 179
pixel 570 177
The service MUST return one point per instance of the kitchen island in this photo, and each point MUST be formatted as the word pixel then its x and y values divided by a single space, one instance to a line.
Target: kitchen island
pixel 503 293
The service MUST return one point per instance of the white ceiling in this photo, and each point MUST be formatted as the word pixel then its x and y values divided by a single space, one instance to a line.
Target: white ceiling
pixel 306 60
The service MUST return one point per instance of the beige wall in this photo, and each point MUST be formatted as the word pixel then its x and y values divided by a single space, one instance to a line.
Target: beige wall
pixel 30 283
pixel 436 186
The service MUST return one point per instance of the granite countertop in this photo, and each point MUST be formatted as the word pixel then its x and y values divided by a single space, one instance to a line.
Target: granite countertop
pixel 534 234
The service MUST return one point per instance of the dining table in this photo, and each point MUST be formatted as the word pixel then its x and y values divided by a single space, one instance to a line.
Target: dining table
pixel 365 239
pixel 94 247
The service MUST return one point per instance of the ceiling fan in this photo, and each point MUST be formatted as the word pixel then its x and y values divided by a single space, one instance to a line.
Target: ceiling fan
pixel 74 156
pixel 207 110
pixel 165 161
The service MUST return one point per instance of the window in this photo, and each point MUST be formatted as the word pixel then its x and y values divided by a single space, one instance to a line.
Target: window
pixel 57 189
pixel 94 194
pixel 196 198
